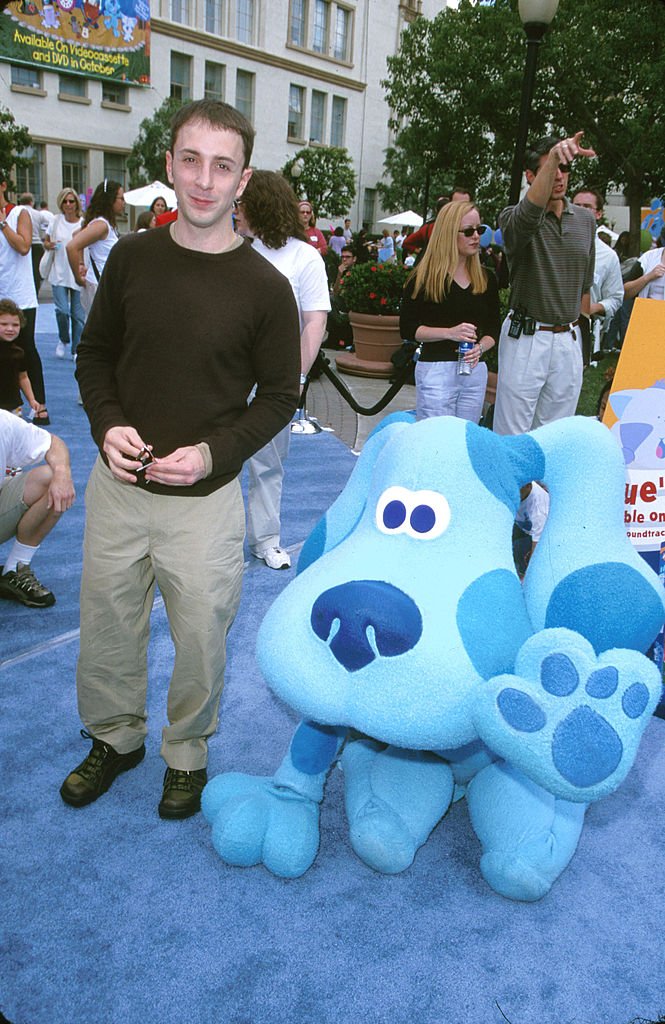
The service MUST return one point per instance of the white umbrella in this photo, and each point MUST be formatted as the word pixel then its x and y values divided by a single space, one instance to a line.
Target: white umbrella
pixel 147 194
pixel 408 219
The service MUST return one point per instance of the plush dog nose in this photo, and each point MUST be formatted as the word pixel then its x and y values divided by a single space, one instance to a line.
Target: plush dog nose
pixel 372 615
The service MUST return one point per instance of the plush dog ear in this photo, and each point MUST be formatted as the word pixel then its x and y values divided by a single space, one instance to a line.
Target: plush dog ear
pixel 342 516
pixel 504 464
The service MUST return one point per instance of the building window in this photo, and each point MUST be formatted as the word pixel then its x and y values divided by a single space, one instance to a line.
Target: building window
pixel 298 23
pixel 213 84
pixel 114 92
pixel 181 76
pixel 245 94
pixel 338 121
pixel 317 119
pixel 180 11
pixel 296 111
pixel 70 85
pixel 245 21
pixel 31 178
pixel 369 206
pixel 213 14
pixel 321 18
pixel 115 168
pixel 74 169
pixel 342 33
pixel 26 77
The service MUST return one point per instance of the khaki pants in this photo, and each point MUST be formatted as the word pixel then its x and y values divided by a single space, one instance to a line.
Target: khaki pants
pixel 192 548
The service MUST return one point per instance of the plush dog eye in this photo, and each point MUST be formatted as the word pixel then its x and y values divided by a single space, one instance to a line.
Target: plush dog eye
pixel 424 515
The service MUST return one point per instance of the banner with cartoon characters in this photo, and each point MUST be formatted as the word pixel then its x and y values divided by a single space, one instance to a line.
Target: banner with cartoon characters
pixel 107 39
pixel 636 416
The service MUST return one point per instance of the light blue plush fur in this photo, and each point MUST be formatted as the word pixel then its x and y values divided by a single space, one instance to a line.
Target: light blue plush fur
pixel 408 624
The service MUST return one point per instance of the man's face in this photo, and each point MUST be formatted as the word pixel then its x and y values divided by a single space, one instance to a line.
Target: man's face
pixel 588 201
pixel 10 327
pixel 560 183
pixel 206 170
pixel 460 197
pixel 348 259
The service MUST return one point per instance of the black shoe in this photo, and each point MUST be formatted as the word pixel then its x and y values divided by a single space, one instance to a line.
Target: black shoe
pixel 22 585
pixel 182 793
pixel 94 775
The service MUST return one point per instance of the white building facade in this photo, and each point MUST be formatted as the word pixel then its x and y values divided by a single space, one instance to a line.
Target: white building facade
pixel 305 72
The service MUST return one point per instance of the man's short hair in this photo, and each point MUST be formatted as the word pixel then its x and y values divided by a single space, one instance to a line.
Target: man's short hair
pixel 540 147
pixel 349 249
pixel 9 308
pixel 441 202
pixel 598 196
pixel 26 199
pixel 218 115
pixel 464 189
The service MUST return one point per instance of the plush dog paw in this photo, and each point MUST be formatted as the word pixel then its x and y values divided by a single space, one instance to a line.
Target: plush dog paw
pixel 570 720
pixel 256 822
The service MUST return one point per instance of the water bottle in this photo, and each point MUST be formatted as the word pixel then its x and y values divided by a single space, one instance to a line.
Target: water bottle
pixel 463 350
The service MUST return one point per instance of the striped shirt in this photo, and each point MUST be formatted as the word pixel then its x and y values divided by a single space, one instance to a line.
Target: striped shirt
pixel 551 259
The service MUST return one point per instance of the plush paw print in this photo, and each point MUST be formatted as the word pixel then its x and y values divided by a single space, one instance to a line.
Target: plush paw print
pixel 569 720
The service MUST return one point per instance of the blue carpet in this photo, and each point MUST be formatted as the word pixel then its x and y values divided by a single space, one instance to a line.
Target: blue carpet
pixel 111 915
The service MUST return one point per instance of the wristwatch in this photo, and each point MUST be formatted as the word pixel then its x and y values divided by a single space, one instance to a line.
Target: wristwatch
pixel 3 225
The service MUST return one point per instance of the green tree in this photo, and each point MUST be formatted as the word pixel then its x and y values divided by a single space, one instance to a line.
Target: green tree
pixel 14 140
pixel 327 179
pixel 454 89
pixel 146 160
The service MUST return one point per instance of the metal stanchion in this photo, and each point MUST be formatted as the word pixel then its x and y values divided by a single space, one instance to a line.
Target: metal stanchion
pixel 303 424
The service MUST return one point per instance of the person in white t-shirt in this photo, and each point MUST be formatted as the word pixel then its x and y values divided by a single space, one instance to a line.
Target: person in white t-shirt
pixel 268 212
pixel 30 503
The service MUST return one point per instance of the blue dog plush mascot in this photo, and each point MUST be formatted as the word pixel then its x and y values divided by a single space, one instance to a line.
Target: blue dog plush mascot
pixel 408 624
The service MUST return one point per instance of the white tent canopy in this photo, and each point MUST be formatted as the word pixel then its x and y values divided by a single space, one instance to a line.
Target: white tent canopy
pixel 146 195
pixel 408 219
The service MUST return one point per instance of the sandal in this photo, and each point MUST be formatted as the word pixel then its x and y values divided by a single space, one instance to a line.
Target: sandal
pixel 42 417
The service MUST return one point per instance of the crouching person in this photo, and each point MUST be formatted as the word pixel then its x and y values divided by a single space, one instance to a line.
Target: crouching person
pixel 30 503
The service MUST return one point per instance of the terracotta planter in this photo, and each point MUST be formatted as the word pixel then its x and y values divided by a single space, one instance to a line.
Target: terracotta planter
pixel 375 339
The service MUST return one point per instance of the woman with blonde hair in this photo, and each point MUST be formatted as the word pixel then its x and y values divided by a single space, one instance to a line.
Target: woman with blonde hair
pixel 451 299
pixel 69 313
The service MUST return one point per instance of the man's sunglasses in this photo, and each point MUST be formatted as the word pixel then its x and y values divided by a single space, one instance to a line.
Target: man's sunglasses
pixel 477 229
pixel 564 168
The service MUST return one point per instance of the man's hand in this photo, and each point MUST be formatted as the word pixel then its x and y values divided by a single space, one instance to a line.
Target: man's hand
pixel 121 446
pixel 183 467
pixel 566 150
pixel 61 493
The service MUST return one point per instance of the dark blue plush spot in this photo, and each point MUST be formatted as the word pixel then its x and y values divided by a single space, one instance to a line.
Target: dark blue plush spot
pixel 423 518
pixel 633 434
pixel 610 604
pixel 520 711
pixel 503 464
pixel 313 747
pixel 558 675
pixel 634 700
pixel 393 616
pixel 585 748
pixel 394 514
pixel 499 595
pixel 603 682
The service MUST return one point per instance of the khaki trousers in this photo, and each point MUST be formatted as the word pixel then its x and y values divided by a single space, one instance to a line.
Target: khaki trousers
pixel 192 548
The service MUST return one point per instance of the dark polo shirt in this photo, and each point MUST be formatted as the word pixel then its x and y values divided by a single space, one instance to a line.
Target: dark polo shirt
pixel 551 259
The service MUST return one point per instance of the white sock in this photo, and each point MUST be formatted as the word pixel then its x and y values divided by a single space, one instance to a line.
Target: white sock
pixel 19 553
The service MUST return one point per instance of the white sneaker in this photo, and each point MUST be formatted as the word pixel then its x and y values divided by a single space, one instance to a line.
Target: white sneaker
pixel 276 558
pixel 61 350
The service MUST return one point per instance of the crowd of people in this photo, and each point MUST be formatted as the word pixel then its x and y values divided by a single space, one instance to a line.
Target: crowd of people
pixel 175 331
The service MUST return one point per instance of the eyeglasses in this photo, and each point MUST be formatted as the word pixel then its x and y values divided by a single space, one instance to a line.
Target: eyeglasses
pixel 477 229
pixel 585 206
pixel 68 201
pixel 564 168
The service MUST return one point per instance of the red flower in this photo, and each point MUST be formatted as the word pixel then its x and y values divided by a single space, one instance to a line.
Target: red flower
pixel 372 295
pixel 373 269
pixel 384 302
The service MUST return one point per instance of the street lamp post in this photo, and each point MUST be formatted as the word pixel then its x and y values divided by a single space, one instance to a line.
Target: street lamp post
pixel 536 17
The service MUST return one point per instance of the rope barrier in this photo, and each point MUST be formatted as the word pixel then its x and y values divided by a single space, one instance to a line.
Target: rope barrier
pixel 322 363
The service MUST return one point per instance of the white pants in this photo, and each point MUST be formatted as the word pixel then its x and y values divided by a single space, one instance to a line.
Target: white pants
pixel 442 391
pixel 540 379
pixel 264 495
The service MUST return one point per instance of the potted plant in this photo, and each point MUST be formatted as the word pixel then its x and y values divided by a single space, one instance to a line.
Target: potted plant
pixel 372 292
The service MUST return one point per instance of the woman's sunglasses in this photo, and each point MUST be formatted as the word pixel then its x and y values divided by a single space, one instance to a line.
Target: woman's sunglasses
pixel 477 229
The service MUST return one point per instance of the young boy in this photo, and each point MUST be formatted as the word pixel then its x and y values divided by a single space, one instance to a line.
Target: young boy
pixel 13 375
